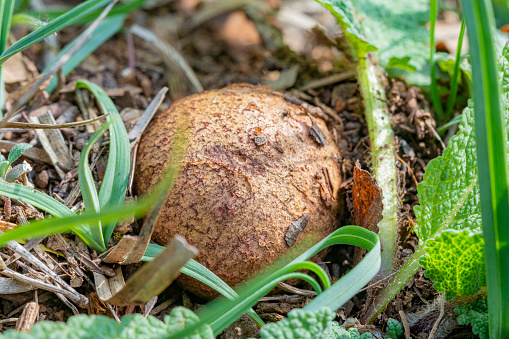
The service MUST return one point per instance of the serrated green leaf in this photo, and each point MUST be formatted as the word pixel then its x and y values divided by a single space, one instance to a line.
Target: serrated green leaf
pixel 345 11
pixel 393 27
pixel 131 326
pixel 449 192
pixel 455 261
pixel 17 151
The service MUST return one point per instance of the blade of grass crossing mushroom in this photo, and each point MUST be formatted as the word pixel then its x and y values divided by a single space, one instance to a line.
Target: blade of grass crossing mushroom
pixel 87 184
pixel 220 313
pixel 109 27
pixel 491 139
pixel 116 177
pixel 66 223
pixel 62 21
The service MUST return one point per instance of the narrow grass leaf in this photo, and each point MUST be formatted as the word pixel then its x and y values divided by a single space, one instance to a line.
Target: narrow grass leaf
pixel 109 27
pixel 87 184
pixel 116 177
pixel 220 313
pixel 491 146
pixel 26 19
pixel 456 74
pixel 56 25
pixel 437 104
pixel 48 204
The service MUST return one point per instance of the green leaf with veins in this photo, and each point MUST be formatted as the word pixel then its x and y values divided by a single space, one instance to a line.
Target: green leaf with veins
pixel 393 27
pixel 449 193
pixel 455 261
pixel 449 200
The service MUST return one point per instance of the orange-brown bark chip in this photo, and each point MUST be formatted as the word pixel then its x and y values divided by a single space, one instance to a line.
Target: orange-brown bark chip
pixel 252 173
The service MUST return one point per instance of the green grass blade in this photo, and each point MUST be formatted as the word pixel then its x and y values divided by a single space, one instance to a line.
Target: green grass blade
pixel 116 177
pixel 87 184
pixel 48 204
pixel 48 226
pixel 456 74
pixel 435 98
pixel 199 272
pixel 109 27
pixel 221 312
pixel 126 7
pixel 62 21
pixel 6 11
pixel 491 134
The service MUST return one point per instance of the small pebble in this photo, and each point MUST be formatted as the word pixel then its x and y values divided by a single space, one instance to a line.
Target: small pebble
pixel 42 179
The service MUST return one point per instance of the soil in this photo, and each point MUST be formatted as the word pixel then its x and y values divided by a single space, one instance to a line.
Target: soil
pixel 252 45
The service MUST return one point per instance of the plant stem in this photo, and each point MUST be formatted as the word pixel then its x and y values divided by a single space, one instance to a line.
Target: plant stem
pixel 455 76
pixel 434 90
pixel 491 139
pixel 382 154
pixel 400 279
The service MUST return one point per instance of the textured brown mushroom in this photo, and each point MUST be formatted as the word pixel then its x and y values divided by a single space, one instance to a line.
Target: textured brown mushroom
pixel 254 172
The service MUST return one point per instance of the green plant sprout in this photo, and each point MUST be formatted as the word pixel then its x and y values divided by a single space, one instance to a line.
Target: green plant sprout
pixel 10 175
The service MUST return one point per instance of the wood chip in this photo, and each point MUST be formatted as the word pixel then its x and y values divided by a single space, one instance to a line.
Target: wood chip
pixel 295 228
pixel 11 286
pixel 151 279
pixel 28 317
pixel 54 144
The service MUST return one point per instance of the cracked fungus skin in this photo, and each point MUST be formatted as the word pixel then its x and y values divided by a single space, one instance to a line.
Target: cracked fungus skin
pixel 251 169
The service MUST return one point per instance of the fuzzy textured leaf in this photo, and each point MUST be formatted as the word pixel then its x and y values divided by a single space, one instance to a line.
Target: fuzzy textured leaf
pixel 16 152
pixel 303 325
pixel 449 193
pixel 394 329
pixel 394 28
pixel 476 314
pixel 132 326
pixel 17 171
pixel 455 261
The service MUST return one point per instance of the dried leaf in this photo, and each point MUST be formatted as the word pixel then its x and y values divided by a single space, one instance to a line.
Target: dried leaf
pixel 367 199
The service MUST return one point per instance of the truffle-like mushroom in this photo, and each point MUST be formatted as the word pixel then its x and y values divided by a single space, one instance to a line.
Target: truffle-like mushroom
pixel 255 178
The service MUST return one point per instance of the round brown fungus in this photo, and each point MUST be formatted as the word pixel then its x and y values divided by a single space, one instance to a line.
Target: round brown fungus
pixel 255 178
